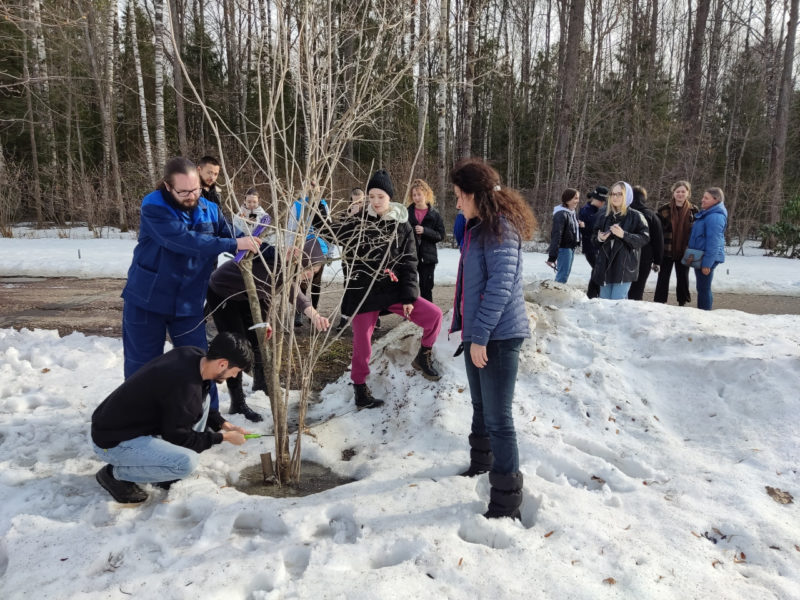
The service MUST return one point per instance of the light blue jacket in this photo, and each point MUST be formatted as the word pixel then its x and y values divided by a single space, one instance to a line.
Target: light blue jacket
pixel 175 255
pixel 708 234
pixel 489 303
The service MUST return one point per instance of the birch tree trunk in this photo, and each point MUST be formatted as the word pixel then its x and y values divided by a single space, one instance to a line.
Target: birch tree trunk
pixel 37 183
pixel 40 73
pixel 422 68
pixel 148 150
pixel 158 56
pixel 109 136
pixel 441 99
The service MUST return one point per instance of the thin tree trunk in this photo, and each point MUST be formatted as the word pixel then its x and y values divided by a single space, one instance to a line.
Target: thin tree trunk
pixel 569 82
pixel 422 78
pixel 148 150
pixel 778 151
pixel 176 15
pixel 37 184
pixel 441 98
pixel 468 87
pixel 109 135
pixel 41 74
pixel 158 55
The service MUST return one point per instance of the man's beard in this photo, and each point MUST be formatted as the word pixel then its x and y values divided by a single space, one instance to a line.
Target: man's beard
pixel 207 185
pixel 186 204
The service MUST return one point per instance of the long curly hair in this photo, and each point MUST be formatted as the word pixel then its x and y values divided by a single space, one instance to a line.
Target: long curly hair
pixel 493 199
pixel 423 187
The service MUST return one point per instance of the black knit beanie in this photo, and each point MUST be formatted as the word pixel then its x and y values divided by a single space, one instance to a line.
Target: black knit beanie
pixel 381 180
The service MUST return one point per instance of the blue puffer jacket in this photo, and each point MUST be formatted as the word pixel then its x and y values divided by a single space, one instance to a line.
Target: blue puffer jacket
pixel 175 255
pixel 489 304
pixel 708 234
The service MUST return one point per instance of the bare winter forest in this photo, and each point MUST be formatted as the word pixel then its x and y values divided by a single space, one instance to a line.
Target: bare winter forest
pixel 96 94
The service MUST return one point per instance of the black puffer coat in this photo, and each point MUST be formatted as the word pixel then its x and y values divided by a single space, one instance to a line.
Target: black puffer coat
pixel 618 259
pixel 366 240
pixel 432 234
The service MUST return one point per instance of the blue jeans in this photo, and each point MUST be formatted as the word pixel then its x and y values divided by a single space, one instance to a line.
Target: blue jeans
pixel 615 291
pixel 144 332
pixel 704 296
pixel 564 264
pixel 492 390
pixel 149 459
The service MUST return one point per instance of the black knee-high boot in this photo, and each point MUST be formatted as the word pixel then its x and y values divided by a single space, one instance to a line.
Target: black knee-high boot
pixel 238 403
pixel 505 497
pixel 480 455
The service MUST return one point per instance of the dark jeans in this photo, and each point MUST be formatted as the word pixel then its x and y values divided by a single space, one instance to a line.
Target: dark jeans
pixel 425 273
pixel 704 296
pixel 662 285
pixel 492 390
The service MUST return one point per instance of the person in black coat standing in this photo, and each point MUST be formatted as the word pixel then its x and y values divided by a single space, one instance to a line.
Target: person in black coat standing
pixel 428 229
pixel 653 251
pixel 588 214
pixel 620 233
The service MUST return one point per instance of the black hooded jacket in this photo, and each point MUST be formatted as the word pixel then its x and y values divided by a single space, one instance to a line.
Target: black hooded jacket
pixel 618 259
pixel 653 251
pixel 379 278
pixel 432 234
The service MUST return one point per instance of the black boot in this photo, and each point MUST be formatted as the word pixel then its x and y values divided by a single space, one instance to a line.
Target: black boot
pixel 480 456
pixel 364 397
pixel 238 403
pixel 259 383
pixel 505 497
pixel 298 319
pixel 378 324
pixel 342 323
pixel 423 361
pixel 124 492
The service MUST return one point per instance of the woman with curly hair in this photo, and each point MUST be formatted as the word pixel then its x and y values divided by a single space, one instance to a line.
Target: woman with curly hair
pixel 428 229
pixel 491 315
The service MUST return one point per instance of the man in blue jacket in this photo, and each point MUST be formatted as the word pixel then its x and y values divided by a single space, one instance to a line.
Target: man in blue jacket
pixel 180 237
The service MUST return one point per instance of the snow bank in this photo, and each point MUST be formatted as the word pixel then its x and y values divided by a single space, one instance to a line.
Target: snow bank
pixel 647 435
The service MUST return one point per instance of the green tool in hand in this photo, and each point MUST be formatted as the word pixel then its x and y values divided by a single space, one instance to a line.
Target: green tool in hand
pixel 252 436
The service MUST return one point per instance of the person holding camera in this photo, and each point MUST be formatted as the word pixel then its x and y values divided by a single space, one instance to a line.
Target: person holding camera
pixel 249 214
pixel 620 233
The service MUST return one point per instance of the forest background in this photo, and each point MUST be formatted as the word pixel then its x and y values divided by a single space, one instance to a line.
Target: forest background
pixel 96 94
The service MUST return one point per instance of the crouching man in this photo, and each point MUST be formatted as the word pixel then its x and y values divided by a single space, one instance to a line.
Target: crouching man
pixel 152 428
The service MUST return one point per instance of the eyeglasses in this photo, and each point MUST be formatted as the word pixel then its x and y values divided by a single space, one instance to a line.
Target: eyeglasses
pixel 617 194
pixel 186 193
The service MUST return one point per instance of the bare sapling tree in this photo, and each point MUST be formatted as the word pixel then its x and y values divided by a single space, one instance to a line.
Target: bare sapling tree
pixel 310 105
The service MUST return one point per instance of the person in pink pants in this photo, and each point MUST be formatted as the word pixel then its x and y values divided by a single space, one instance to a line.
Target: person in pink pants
pixel 382 277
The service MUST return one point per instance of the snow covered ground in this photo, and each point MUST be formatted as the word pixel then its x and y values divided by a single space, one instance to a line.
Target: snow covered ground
pixel 648 435
pixel 83 255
